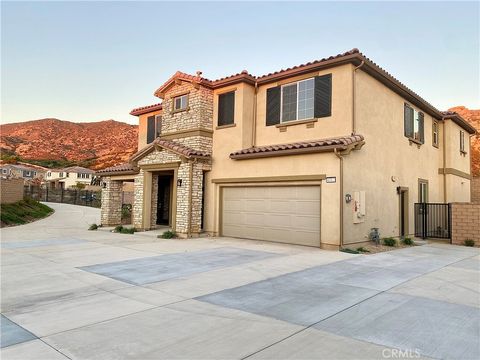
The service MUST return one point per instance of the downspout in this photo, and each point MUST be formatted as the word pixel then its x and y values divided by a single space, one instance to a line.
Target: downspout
pixel 254 130
pixel 444 163
pixel 353 97
pixel 337 154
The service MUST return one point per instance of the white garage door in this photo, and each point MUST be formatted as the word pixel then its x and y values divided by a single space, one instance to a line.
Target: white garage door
pixel 288 214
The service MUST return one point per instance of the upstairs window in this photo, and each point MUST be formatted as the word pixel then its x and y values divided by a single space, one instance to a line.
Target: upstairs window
pixel 61 174
pixel 27 173
pixel 298 100
pixel 413 124
pixel 301 100
pixel 226 108
pixel 67 174
pixel 435 134
pixel 158 125
pixel 180 103
pixel 49 174
pixel 4 171
pixel 462 141
pixel 154 127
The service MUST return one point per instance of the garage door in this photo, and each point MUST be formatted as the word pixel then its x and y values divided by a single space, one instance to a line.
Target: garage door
pixel 288 214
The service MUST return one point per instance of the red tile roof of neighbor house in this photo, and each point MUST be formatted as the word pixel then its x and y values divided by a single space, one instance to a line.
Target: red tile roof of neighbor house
pixel 121 169
pixel 323 145
pixel 172 146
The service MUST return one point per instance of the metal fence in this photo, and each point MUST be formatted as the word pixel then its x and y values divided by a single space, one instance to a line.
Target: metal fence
pixel 67 196
pixel 433 220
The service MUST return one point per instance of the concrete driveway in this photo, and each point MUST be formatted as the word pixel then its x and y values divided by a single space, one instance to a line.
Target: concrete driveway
pixel 72 293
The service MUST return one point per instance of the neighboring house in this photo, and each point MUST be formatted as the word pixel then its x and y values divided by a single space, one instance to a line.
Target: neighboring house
pixel 27 173
pixel 317 155
pixel 68 177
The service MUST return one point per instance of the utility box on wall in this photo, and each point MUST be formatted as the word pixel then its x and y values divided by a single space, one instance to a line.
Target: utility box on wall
pixel 358 207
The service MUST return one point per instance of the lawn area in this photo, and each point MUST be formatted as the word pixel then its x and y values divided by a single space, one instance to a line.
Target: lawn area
pixel 23 212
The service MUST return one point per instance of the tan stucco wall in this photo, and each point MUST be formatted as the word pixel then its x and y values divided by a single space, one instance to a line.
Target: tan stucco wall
pixel 142 128
pixel 387 153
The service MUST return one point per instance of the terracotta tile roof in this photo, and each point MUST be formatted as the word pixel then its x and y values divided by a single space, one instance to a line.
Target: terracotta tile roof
pixel 459 120
pixel 146 109
pixel 323 145
pixel 172 146
pixel 118 169
pixel 182 76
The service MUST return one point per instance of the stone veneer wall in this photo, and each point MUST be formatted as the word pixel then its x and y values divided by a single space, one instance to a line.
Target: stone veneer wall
pixel 465 223
pixel 137 208
pixel 111 212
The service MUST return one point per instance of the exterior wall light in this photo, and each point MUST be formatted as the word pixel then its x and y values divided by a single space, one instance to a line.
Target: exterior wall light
pixel 179 182
pixel 348 198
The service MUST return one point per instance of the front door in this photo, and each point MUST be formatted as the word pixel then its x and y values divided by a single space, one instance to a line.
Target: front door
pixel 163 200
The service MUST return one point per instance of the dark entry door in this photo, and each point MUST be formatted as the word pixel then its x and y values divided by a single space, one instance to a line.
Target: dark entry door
pixel 163 201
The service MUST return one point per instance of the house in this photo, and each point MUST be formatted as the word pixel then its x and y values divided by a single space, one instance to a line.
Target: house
pixel 317 154
pixel 27 173
pixel 68 177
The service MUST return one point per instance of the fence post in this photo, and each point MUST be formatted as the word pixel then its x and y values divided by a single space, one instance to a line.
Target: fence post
pixel 424 213
pixel 46 195
pixel 449 214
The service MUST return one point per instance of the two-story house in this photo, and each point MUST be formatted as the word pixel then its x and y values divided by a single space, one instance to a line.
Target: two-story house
pixel 317 154
pixel 27 173
pixel 67 177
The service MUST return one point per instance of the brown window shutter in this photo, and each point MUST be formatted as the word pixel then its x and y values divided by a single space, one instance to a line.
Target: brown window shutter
pixel 323 96
pixel 226 108
pixel 150 129
pixel 421 128
pixel 408 121
pixel 273 105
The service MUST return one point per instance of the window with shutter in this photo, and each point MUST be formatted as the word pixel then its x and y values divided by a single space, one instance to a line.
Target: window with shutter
pixel 323 96
pixel 435 134
pixel 408 121
pixel 158 125
pixel 273 106
pixel 150 129
pixel 462 141
pixel 226 108
pixel 421 132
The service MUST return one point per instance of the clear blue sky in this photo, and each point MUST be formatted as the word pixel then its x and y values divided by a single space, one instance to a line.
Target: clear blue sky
pixel 90 61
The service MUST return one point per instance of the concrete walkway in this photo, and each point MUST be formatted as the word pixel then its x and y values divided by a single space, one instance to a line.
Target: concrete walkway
pixel 72 293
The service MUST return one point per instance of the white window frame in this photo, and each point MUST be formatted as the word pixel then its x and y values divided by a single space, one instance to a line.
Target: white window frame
pixel 435 134
pixel 4 171
pixel 181 97
pixel 462 141
pixel 281 100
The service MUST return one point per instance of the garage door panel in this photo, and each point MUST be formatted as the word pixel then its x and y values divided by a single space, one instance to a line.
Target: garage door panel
pixel 287 214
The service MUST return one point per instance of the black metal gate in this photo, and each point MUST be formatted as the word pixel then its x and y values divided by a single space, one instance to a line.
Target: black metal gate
pixel 433 220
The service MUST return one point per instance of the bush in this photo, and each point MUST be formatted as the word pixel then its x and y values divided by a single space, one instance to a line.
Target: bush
pixel 362 250
pixel 128 230
pixel 167 235
pixel 469 242
pixel 126 211
pixel 389 241
pixel 118 228
pixel 93 227
pixel 407 241
pixel 349 251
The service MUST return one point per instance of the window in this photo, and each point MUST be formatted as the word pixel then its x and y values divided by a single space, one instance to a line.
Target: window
pixel 61 174
pixel 27 173
pixel 435 134
pixel 462 141
pixel 180 102
pixel 413 124
pixel 4 171
pixel 49 174
pixel 34 173
pixel 422 191
pixel 67 174
pixel 298 100
pixel 226 108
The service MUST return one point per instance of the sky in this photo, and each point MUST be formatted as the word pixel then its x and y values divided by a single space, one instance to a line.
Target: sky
pixel 92 61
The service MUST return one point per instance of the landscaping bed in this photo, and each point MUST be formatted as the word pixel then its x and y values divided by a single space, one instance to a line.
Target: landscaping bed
pixel 394 244
pixel 22 212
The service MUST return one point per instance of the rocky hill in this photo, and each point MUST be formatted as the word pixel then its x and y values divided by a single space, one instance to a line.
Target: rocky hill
pixel 473 117
pixel 94 144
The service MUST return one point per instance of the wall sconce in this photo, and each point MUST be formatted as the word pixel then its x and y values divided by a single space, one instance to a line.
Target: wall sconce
pixel 104 185
pixel 179 182
pixel 348 198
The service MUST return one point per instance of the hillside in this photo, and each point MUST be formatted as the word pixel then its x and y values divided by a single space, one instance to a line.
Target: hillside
pixel 95 144
pixel 473 117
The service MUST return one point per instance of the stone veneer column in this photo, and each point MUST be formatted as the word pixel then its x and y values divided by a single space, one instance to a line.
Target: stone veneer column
pixel 137 209
pixel 181 224
pixel 111 212
pixel 196 206
pixel 154 201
